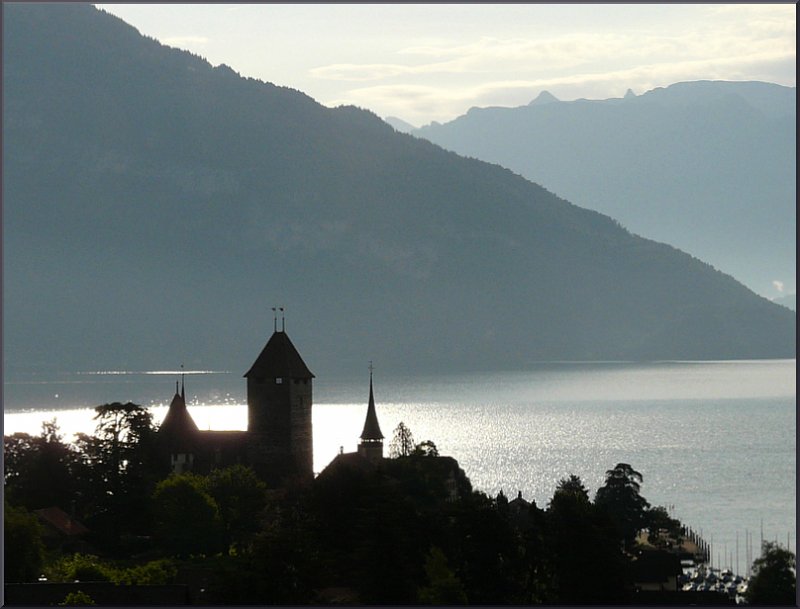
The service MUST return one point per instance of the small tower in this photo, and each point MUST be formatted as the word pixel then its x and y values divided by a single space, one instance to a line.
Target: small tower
pixel 371 445
pixel 178 433
pixel 279 399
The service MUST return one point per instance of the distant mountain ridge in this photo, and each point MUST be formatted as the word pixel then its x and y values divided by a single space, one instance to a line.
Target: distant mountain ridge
pixel 706 166
pixel 156 208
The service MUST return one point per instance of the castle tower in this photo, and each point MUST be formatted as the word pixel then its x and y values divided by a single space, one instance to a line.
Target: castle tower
pixel 371 445
pixel 279 400
pixel 178 433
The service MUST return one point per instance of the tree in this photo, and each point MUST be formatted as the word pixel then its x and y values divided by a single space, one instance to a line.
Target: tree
pixel 426 449
pixel 118 470
pixel 188 520
pixel 402 444
pixel 39 469
pixel 657 519
pixel 240 496
pixel 620 499
pixel 572 486
pixel 587 565
pixel 24 551
pixel 774 580
pixel 443 587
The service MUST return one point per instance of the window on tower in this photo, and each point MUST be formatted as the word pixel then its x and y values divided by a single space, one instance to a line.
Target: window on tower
pixel 278 381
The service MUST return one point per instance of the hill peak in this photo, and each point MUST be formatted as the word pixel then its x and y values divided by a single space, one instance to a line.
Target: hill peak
pixel 545 97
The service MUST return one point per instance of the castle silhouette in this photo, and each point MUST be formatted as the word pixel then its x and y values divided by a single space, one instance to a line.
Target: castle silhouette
pixel 278 443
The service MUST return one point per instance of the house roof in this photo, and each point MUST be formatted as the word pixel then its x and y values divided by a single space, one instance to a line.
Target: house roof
pixel 279 359
pixel 372 431
pixel 347 461
pixel 61 521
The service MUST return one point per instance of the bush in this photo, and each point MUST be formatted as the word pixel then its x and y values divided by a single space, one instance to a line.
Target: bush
pixel 76 599
pixel 82 568
pixel 153 573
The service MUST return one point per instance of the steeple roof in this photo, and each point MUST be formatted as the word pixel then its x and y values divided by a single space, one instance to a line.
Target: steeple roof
pixel 372 431
pixel 279 358
pixel 178 425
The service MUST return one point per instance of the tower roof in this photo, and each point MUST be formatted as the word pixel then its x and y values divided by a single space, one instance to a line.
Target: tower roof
pixel 372 431
pixel 279 358
pixel 178 425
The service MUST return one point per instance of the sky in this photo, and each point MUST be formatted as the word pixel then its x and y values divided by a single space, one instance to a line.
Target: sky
pixel 432 62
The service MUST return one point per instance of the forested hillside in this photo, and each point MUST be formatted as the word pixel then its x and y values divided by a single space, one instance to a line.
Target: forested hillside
pixel 706 166
pixel 156 207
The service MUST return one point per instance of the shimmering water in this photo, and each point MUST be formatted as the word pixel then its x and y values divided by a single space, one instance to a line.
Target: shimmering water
pixel 716 440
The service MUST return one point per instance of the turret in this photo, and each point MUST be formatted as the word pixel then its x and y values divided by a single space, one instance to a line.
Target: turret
pixel 371 445
pixel 178 433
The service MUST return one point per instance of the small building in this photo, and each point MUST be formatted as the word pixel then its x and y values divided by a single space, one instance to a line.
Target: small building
pixel 61 531
pixel 369 454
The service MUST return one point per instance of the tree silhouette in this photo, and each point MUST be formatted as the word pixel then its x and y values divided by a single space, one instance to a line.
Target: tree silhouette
pixel 774 580
pixel 117 469
pixel 39 469
pixel 24 552
pixel 572 486
pixel 426 449
pixel 188 519
pixel 402 444
pixel 620 499
pixel 241 496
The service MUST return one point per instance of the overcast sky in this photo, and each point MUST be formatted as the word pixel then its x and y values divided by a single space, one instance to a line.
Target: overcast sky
pixel 426 62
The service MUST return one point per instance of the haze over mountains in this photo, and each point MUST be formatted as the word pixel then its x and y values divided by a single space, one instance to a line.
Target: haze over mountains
pixel 156 208
pixel 706 166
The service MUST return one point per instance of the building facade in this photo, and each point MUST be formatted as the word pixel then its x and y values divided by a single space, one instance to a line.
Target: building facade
pixel 278 443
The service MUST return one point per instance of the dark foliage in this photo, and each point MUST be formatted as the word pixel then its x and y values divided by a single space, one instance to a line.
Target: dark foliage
pixel 240 497
pixel 24 551
pixel 588 566
pixel 774 580
pixel 117 472
pixel 187 517
pixel 619 498
pixel 39 469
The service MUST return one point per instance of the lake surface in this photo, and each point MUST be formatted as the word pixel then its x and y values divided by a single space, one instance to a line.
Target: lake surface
pixel 715 441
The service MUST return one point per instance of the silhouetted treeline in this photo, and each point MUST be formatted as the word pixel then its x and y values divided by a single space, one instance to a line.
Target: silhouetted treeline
pixel 408 530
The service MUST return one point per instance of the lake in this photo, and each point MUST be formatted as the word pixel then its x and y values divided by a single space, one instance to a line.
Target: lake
pixel 715 441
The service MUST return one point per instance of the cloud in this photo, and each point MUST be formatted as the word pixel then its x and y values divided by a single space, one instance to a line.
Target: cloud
pixel 738 42
pixel 444 100
pixel 778 285
pixel 184 41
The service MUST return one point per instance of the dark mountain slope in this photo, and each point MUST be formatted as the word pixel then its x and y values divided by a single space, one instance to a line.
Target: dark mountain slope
pixel 706 166
pixel 155 208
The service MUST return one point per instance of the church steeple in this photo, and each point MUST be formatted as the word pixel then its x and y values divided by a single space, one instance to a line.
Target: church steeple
pixel 371 445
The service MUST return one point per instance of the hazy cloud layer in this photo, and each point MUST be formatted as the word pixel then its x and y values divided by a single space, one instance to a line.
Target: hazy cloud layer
pixel 433 62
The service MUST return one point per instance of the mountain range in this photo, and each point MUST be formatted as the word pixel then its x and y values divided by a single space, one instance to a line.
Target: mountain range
pixel 157 207
pixel 706 166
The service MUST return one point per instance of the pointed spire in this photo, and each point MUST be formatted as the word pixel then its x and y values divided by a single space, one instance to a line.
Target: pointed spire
pixel 372 430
